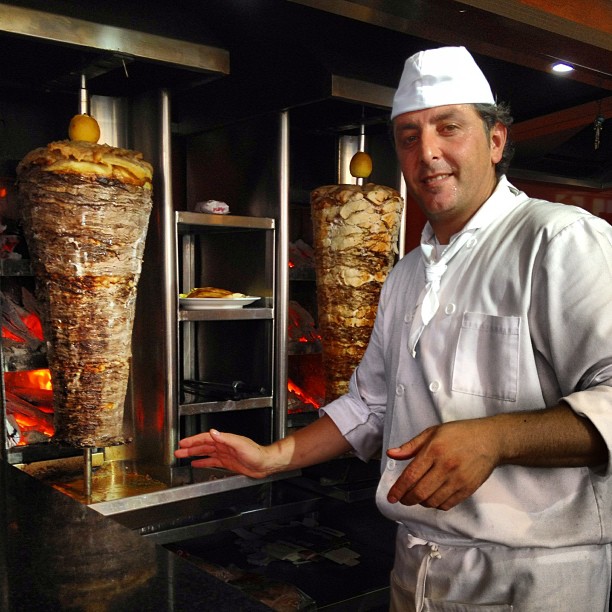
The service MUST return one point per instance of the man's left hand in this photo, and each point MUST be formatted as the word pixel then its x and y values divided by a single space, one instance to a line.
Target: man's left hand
pixel 449 462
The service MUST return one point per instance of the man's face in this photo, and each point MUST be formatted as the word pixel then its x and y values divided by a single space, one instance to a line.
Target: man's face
pixel 448 161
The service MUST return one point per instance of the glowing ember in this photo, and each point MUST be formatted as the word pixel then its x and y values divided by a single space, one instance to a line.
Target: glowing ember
pixel 29 406
pixel 301 326
pixel 32 424
pixel 301 255
pixel 32 322
pixel 19 324
pixel 28 392
pixel 305 398
pixel 30 379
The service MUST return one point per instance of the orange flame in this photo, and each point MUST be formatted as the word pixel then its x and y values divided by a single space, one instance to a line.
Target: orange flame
pixel 27 423
pixel 304 397
pixel 32 379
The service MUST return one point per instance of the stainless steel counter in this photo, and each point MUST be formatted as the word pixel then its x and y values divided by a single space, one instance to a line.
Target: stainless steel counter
pixel 59 554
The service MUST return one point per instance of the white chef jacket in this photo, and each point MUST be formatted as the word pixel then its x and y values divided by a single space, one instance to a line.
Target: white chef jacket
pixel 525 320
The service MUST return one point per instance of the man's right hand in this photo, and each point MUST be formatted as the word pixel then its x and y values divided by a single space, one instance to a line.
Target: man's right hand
pixel 226 450
pixel 320 441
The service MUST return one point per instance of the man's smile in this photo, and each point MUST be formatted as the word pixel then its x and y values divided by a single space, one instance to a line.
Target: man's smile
pixel 429 180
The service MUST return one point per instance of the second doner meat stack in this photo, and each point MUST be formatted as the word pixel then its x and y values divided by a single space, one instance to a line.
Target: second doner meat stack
pixel 356 229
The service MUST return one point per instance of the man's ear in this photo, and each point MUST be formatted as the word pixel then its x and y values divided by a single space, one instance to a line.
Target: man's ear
pixel 499 135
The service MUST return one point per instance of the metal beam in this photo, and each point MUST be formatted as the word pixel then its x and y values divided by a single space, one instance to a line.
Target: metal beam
pixel 121 42
pixel 355 90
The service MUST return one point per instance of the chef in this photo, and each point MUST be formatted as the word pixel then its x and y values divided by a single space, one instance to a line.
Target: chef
pixel 487 379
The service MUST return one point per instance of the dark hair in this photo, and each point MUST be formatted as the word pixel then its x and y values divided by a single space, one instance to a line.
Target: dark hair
pixel 491 114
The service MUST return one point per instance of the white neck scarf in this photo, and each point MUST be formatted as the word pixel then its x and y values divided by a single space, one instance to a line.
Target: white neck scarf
pixel 505 198
pixel 434 270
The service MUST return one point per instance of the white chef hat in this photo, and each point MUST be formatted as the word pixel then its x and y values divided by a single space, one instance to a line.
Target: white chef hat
pixel 437 77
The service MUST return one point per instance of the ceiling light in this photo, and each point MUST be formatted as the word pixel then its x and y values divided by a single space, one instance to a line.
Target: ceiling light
pixel 561 68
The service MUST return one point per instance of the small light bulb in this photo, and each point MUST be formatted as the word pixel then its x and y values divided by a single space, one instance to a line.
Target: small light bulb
pixel 562 68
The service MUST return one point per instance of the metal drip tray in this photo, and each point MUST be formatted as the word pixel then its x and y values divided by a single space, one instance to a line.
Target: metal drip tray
pixel 122 491
pixel 110 480
pixel 219 500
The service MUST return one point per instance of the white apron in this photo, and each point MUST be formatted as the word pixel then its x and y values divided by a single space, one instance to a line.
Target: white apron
pixel 437 578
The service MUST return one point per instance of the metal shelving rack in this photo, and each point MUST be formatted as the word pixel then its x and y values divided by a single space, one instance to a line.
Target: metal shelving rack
pixel 205 242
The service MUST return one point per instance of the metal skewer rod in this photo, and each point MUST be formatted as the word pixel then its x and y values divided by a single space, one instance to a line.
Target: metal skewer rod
pixel 87 470
pixel 83 97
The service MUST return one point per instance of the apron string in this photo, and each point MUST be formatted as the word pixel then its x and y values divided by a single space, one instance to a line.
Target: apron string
pixel 419 595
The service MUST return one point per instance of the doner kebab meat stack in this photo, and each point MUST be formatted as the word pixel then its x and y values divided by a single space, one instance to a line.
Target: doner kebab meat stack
pixel 356 229
pixel 86 209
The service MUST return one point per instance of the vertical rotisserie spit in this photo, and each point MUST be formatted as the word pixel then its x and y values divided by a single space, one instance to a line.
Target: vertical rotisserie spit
pixel 85 211
pixel 356 229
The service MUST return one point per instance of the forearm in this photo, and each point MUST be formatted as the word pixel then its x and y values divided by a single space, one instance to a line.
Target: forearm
pixel 318 442
pixel 451 461
pixel 553 437
pixel 315 443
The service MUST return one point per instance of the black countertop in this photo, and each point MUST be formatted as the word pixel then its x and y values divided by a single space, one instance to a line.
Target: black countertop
pixel 59 554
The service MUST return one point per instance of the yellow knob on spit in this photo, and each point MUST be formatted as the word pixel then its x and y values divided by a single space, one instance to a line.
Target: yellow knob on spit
pixel 84 127
pixel 361 165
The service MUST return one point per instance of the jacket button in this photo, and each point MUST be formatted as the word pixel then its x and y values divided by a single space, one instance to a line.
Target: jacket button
pixel 434 386
pixel 450 308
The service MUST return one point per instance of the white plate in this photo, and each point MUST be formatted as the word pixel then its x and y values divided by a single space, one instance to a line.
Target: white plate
pixel 212 303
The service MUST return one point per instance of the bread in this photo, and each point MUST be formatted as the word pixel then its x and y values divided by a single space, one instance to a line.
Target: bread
pixel 213 292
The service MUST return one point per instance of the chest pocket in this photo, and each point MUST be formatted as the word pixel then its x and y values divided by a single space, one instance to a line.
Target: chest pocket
pixel 487 357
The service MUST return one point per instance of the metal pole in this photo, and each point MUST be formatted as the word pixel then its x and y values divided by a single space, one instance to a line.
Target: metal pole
pixel 87 471
pixel 282 282
pixel 84 97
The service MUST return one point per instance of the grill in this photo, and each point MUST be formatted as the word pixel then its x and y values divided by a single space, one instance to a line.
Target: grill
pixel 254 370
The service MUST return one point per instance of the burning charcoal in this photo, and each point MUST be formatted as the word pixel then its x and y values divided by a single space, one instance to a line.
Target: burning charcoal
pixel 33 424
pixel 299 400
pixel 19 324
pixel 29 302
pixel 302 329
pixel 301 254
pixel 13 435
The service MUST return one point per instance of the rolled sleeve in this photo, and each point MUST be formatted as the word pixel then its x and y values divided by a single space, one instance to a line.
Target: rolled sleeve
pixel 359 423
pixel 595 404
pixel 574 330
